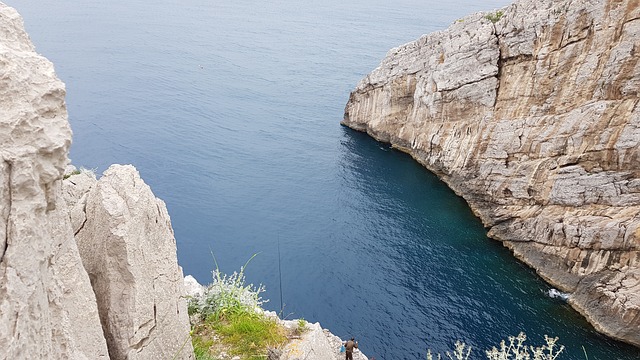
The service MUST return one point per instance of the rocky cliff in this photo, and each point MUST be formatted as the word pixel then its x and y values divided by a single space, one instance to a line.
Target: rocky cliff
pixel 117 292
pixel 531 114
pixel 127 246
pixel 47 306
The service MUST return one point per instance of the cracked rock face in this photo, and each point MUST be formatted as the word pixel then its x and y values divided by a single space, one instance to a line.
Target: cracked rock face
pixel 47 307
pixel 127 246
pixel 534 120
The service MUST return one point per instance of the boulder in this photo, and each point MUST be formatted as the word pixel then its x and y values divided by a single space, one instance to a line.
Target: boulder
pixel 192 287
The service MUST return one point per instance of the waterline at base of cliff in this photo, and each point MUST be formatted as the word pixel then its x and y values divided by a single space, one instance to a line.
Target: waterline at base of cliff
pixel 531 115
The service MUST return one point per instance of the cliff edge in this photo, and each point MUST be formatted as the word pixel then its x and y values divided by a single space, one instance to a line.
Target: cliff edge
pixel 88 268
pixel 531 115
pixel 47 305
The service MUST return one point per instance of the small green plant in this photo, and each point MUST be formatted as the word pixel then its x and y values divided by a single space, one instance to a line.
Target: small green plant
pixel 201 348
pixel 302 324
pixel 79 171
pixel 518 351
pixel 494 17
pixel 227 293
pixel 74 172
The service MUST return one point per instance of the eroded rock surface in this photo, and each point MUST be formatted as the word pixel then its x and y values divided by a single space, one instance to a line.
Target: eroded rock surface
pixel 534 120
pixel 127 245
pixel 47 307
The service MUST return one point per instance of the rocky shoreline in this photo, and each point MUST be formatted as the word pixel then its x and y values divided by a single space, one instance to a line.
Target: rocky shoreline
pixel 531 114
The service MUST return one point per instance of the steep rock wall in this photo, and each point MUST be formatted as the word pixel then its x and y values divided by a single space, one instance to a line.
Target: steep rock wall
pixel 127 246
pixel 47 307
pixel 534 120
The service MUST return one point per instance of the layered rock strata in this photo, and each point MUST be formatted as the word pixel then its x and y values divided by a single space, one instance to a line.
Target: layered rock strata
pixel 127 246
pixel 531 114
pixel 47 307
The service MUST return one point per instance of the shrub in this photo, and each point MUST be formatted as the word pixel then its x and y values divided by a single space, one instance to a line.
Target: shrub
pixel 494 17
pixel 229 319
pixel 227 293
pixel 515 350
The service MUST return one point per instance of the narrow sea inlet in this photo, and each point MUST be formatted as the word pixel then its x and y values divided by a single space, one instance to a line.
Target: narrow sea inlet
pixel 231 110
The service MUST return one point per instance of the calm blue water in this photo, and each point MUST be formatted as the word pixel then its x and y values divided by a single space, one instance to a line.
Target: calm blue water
pixel 230 111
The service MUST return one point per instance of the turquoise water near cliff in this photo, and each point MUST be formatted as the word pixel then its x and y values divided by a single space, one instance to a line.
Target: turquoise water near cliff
pixel 230 111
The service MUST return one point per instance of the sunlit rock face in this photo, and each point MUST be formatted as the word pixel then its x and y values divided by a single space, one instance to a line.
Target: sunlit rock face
pixel 532 116
pixel 47 307
pixel 112 291
pixel 127 245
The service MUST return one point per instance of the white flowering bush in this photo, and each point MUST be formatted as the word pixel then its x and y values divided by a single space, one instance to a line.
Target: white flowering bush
pixel 514 350
pixel 227 293
pixel 461 352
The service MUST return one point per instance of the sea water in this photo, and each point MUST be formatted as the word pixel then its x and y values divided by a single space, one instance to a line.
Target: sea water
pixel 231 110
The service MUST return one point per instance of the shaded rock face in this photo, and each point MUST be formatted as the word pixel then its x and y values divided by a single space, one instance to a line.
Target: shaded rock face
pixel 534 120
pixel 47 307
pixel 128 248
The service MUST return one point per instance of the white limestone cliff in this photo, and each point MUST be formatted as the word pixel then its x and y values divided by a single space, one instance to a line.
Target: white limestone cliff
pixel 127 245
pixel 47 307
pixel 532 116
pixel 51 307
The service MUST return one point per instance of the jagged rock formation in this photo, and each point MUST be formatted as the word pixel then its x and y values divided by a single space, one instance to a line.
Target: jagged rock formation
pixel 532 116
pixel 127 246
pixel 47 307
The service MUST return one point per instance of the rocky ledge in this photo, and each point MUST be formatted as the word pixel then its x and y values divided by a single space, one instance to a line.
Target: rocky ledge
pixel 313 343
pixel 531 115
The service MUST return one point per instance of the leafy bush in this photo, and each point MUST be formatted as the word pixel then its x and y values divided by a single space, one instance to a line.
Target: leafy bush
pixel 515 350
pixel 227 293
pixel 229 319
pixel 494 17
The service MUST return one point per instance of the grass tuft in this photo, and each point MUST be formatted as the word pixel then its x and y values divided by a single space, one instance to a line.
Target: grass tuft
pixel 494 17
pixel 249 334
pixel 74 172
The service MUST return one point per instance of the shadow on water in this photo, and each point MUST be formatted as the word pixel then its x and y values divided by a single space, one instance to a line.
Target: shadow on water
pixel 443 278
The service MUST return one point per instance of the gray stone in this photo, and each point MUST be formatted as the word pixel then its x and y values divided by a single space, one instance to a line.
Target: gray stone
pixel 192 287
pixel 128 248
pixel 315 343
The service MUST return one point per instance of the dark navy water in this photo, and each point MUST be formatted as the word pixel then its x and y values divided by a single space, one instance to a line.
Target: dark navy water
pixel 230 111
